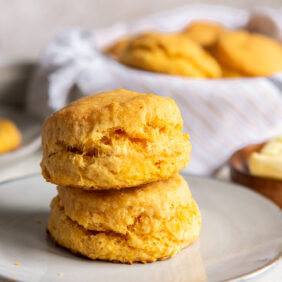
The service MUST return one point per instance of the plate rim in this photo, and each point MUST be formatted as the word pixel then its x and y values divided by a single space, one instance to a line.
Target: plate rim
pixel 181 173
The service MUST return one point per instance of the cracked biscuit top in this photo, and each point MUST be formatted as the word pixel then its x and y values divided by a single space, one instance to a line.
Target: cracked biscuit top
pixel 170 53
pixel 115 139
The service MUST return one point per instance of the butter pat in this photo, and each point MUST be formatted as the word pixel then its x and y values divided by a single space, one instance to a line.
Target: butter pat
pixel 268 162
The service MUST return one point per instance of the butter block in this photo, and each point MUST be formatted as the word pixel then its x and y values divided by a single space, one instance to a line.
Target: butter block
pixel 268 162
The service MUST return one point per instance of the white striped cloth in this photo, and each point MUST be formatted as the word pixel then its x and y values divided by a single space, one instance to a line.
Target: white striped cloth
pixel 219 115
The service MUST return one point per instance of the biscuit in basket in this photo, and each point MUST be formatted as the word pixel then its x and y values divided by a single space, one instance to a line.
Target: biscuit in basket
pixel 115 139
pixel 171 54
pixel 249 53
pixel 10 136
pixel 116 49
pixel 203 33
pixel 142 224
pixel 230 73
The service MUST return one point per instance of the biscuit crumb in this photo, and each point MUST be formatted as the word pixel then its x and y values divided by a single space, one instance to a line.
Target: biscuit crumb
pixel 17 263
pixel 38 220
pixel 60 274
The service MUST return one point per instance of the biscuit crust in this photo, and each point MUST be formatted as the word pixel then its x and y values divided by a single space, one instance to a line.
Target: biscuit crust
pixel 115 139
pixel 169 53
pixel 145 226
pixel 116 210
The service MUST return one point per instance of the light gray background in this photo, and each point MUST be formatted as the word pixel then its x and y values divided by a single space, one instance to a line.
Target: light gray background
pixel 26 25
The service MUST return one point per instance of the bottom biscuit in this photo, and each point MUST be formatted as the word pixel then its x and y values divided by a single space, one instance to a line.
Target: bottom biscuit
pixel 125 248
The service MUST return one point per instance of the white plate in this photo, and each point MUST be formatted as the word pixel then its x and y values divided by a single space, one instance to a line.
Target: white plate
pixel 30 128
pixel 240 236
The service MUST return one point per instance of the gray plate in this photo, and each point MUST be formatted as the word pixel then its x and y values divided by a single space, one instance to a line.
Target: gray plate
pixel 240 237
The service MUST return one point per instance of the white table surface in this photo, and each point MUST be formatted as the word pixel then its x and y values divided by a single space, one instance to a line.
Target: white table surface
pixel 30 165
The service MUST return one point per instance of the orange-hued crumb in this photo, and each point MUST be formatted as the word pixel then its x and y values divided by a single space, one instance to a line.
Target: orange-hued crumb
pixel 17 264
pixel 60 274
pixel 38 220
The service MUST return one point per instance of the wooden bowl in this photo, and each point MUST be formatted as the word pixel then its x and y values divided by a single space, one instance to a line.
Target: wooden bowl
pixel 239 172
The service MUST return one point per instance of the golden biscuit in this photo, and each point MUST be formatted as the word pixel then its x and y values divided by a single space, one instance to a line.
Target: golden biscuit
pixel 249 54
pixel 203 33
pixel 115 210
pixel 145 224
pixel 117 48
pixel 171 54
pixel 10 137
pixel 114 139
pixel 229 73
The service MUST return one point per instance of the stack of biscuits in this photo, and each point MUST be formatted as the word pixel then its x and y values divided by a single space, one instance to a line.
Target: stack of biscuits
pixel 115 157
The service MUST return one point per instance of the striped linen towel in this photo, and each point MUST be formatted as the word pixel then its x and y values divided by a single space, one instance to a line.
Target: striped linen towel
pixel 219 115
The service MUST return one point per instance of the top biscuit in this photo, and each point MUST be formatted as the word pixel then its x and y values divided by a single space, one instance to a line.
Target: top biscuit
pixel 115 139
pixel 169 53
pixel 248 53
